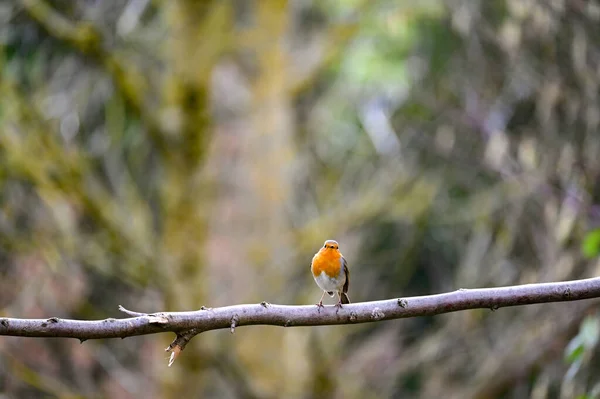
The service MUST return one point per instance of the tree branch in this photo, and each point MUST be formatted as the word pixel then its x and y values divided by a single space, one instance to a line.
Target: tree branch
pixel 187 324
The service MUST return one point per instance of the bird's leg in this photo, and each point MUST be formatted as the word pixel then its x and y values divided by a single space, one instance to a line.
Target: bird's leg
pixel 339 304
pixel 320 304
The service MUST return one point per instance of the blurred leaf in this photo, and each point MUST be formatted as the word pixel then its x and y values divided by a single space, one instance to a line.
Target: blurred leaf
pixel 591 244
pixel 586 339
pixel 583 343
pixel 574 350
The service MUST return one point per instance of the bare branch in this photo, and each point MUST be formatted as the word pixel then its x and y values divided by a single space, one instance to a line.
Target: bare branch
pixel 187 324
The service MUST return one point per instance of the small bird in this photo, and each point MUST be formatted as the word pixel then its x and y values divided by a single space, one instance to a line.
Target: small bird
pixel 330 270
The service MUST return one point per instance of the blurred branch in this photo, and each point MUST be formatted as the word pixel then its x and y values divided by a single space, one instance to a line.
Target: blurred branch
pixel 187 324
pixel 338 39
pixel 86 38
pixel 82 36
pixel 510 368
pixel 36 155
pixel 486 202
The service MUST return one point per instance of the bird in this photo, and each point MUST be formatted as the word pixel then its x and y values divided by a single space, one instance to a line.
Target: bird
pixel 330 271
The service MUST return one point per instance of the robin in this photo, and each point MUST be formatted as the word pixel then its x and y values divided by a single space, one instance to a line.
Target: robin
pixel 330 270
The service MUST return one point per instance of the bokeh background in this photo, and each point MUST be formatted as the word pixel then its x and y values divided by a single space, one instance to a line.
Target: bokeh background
pixel 168 155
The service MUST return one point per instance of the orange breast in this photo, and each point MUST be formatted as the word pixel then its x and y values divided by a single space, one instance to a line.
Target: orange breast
pixel 328 261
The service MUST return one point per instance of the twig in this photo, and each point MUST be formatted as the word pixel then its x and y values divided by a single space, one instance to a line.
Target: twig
pixel 188 324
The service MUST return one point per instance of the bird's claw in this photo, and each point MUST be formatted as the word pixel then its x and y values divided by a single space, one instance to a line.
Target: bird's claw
pixel 320 305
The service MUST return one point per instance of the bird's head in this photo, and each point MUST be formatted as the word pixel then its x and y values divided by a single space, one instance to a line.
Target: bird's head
pixel 331 245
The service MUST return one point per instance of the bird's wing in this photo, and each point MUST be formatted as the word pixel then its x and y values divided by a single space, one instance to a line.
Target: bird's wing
pixel 347 273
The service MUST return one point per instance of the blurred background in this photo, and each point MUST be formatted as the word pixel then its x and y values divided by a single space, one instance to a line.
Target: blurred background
pixel 168 155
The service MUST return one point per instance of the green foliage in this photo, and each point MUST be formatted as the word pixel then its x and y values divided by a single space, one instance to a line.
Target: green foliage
pixel 591 244
pixel 583 343
pixel 580 350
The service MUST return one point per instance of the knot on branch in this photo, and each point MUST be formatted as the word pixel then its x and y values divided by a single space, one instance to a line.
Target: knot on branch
pixel 234 322
pixel 377 314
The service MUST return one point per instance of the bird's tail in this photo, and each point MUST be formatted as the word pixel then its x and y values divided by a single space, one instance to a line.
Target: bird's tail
pixel 344 298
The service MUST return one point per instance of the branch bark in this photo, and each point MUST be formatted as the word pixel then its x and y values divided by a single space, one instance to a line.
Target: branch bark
pixel 187 324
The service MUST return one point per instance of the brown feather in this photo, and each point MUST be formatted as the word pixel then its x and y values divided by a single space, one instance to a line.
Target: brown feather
pixel 344 295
